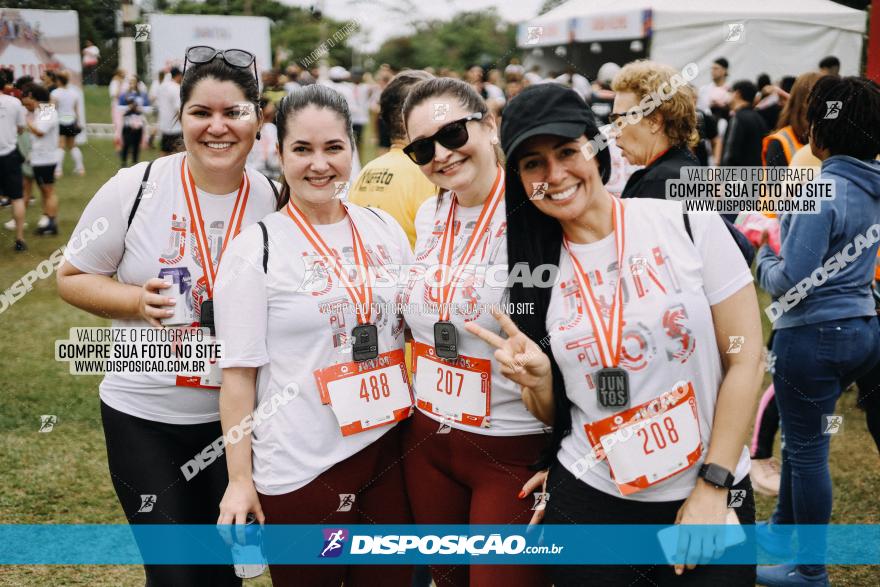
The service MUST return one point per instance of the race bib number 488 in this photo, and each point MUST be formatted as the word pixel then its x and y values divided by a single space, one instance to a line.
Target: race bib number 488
pixel 367 394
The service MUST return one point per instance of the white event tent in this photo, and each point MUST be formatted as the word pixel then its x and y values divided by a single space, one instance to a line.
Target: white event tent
pixel 778 37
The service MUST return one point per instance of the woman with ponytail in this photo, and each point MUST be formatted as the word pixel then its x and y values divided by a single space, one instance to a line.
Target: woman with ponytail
pixel 306 309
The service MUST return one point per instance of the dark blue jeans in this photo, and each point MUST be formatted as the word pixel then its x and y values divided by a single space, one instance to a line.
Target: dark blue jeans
pixel 814 364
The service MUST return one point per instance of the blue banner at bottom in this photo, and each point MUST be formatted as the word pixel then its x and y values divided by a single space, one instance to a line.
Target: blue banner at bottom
pixel 419 544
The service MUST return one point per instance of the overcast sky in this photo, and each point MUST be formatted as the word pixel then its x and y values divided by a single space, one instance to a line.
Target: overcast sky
pixel 383 19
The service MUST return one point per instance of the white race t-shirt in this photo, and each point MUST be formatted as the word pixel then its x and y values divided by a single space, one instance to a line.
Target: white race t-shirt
pixel 91 55
pixel 168 106
pixel 472 301
pixel 159 237
pixel 11 119
pixel 297 319
pixel 65 102
pixel 668 336
pixel 43 149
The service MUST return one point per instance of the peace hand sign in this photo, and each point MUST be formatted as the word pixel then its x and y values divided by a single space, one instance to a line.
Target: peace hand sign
pixel 522 361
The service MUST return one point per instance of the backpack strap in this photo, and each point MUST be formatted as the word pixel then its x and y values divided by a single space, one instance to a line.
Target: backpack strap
pixel 377 215
pixel 140 194
pixel 687 225
pixel 272 185
pixel 265 247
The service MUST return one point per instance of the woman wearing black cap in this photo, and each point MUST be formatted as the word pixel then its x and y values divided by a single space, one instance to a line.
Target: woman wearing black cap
pixel 471 441
pixel 679 324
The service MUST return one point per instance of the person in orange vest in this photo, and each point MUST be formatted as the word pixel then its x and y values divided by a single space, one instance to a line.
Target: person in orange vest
pixel 793 131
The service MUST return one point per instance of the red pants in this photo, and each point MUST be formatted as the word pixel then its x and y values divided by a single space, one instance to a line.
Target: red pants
pixel 467 478
pixel 375 477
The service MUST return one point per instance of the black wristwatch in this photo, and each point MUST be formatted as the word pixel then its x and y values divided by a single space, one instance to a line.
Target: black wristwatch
pixel 716 475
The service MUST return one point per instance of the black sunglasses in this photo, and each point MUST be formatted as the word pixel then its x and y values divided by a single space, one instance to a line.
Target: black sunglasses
pixel 240 58
pixel 452 136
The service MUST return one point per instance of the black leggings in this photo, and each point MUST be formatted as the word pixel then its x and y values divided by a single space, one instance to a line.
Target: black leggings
pixel 869 401
pixel 131 142
pixel 145 459
pixel 574 502
pixel 766 427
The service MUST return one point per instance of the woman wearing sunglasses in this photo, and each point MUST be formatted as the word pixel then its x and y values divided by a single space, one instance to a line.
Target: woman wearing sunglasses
pixel 305 307
pixel 640 324
pixel 472 439
pixel 170 221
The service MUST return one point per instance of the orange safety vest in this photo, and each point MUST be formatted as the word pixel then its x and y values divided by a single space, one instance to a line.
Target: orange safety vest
pixel 788 140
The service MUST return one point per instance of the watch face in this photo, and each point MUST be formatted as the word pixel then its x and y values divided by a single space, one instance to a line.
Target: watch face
pixel 717 475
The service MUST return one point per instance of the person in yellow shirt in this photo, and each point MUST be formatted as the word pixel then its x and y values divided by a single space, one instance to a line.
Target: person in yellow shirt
pixel 391 182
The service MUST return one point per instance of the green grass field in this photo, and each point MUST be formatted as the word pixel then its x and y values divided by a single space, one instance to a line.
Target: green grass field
pixel 61 476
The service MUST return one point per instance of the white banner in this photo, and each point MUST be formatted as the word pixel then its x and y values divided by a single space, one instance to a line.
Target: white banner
pixel 171 34
pixel 632 24
pixel 32 41
pixel 544 34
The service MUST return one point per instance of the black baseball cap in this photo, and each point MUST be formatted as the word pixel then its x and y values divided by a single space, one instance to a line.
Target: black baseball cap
pixel 549 109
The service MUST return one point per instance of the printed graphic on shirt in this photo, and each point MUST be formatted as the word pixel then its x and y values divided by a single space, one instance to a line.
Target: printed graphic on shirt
pixel 176 241
pixel 467 301
pixel 375 180
pixel 651 277
pixel 320 279
pixel 182 240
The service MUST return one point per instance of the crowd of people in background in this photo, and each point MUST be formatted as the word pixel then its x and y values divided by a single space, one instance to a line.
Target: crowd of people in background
pixel 501 132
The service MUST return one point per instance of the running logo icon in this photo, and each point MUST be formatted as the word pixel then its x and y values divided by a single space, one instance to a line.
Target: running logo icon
pixel 832 109
pixel 341 190
pixel 770 362
pixel 541 500
pixel 533 35
pixel 346 500
pixel 46 112
pixel 736 497
pixel 334 539
pixel 441 109
pixel 148 189
pixel 47 422
pixel 147 503
pixel 735 32
pixel 736 344
pixel 445 426
pixel 539 189
pixel 831 424
pixel 141 33
pixel 638 265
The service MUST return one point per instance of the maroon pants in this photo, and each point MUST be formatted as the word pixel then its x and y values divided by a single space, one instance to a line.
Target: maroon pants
pixel 375 477
pixel 466 478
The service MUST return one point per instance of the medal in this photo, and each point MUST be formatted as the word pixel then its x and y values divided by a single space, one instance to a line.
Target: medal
pixel 445 333
pixel 612 382
pixel 206 317
pixel 612 388
pixel 445 340
pixel 365 345
pixel 233 227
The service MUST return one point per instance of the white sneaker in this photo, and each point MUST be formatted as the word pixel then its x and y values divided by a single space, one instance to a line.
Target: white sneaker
pixel 43 222
pixel 766 476
pixel 10 225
